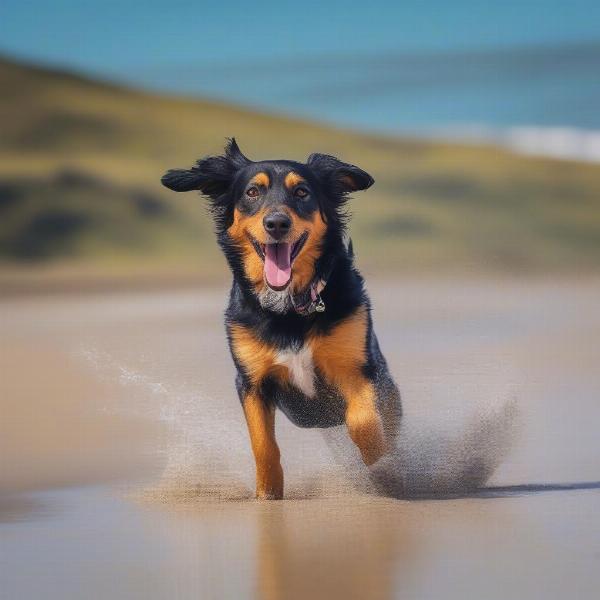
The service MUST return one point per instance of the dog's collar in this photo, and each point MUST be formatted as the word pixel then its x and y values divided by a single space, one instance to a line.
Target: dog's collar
pixel 309 301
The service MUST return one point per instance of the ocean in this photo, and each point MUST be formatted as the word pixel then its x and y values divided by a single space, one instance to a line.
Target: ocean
pixel 541 99
pixel 526 74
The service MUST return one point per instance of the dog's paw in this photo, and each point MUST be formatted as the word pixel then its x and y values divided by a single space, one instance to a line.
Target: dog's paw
pixel 269 483
pixel 270 495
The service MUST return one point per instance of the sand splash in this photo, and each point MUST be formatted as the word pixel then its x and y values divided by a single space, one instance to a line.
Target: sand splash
pixel 207 455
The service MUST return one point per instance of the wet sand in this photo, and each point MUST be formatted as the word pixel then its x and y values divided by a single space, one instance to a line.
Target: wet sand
pixel 126 470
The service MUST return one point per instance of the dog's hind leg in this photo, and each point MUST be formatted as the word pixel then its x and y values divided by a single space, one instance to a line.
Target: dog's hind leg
pixel 260 419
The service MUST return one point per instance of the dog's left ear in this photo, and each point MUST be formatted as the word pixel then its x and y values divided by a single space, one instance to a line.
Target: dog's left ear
pixel 344 177
pixel 212 175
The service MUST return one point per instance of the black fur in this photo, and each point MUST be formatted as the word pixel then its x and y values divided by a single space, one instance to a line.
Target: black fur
pixel 224 180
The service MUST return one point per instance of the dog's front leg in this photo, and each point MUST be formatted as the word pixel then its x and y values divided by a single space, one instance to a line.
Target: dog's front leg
pixel 260 419
pixel 256 359
pixel 362 418
pixel 341 357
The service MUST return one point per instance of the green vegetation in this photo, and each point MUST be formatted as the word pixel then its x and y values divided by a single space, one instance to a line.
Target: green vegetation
pixel 80 163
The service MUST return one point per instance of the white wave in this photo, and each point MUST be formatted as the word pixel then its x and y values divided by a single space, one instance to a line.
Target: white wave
pixel 566 143
pixel 557 142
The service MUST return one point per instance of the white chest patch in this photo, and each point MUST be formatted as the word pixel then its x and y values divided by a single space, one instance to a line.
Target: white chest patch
pixel 301 368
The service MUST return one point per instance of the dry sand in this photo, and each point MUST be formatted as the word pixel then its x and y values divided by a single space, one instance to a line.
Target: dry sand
pixel 126 470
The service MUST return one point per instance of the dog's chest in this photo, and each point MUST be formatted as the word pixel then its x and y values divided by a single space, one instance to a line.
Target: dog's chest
pixel 300 367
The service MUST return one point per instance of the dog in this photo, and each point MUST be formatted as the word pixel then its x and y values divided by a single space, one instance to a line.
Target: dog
pixel 298 322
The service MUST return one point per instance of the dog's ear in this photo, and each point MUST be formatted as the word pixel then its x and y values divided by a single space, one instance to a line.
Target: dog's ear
pixel 211 175
pixel 344 177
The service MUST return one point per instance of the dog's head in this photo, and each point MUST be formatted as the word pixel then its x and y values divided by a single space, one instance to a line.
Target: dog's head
pixel 275 219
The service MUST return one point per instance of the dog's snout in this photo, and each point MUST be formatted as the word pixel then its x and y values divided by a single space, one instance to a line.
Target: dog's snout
pixel 277 224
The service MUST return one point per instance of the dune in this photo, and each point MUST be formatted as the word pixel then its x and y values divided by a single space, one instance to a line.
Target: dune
pixel 81 202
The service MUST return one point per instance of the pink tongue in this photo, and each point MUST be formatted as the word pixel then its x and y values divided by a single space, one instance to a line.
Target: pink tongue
pixel 277 264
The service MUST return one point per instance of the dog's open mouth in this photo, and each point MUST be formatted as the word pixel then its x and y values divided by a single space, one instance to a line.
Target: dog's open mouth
pixel 278 259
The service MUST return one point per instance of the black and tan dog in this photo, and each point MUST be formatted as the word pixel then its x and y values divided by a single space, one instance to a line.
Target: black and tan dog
pixel 298 321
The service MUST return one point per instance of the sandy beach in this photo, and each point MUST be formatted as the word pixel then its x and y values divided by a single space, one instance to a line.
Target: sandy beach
pixel 126 468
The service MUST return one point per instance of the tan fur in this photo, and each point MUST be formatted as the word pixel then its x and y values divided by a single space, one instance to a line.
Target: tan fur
pixel 303 269
pixel 261 179
pixel 260 419
pixel 239 229
pixel 341 356
pixel 342 352
pixel 292 179
pixel 255 356
pixel 258 360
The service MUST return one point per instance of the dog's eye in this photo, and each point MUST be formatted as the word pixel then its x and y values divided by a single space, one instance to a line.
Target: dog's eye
pixel 301 192
pixel 252 192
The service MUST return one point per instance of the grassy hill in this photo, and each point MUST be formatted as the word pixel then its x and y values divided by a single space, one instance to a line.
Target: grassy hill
pixel 80 163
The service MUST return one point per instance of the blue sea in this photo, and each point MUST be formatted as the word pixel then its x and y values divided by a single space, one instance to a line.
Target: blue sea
pixel 523 74
pixel 541 99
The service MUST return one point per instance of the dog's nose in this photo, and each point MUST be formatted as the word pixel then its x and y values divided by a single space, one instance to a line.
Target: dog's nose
pixel 277 224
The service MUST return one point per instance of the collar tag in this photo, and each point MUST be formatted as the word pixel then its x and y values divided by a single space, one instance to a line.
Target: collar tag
pixel 320 305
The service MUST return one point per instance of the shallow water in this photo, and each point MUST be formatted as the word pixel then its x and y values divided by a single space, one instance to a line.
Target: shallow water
pixel 126 470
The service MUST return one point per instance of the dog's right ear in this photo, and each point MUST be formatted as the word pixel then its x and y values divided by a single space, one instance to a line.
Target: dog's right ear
pixel 212 175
